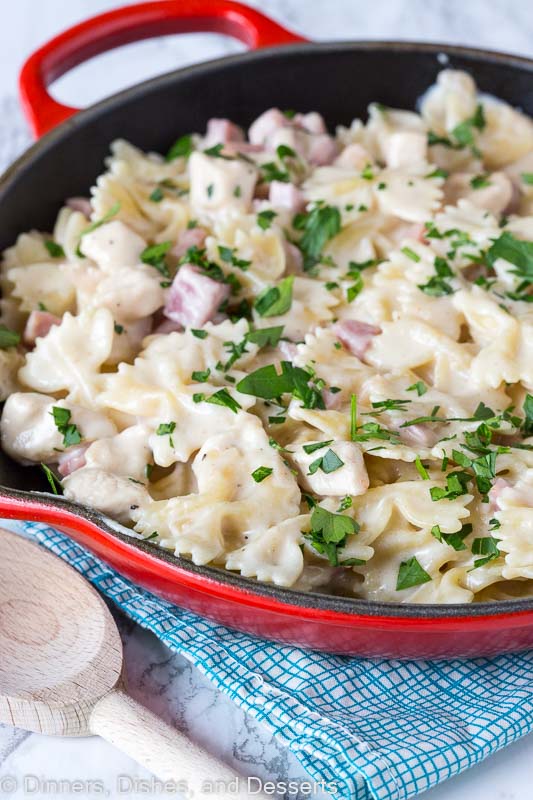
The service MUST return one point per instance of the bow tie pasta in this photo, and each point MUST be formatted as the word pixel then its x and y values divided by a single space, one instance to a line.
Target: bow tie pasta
pixel 301 356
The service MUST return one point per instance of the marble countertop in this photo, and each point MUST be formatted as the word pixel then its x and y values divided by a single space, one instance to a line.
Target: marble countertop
pixel 165 682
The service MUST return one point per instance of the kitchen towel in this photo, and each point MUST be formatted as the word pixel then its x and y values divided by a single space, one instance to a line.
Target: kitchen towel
pixel 367 729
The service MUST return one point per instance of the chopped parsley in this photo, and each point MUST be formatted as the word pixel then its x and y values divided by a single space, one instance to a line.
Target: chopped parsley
pixel 50 477
pixel 264 337
pixel 227 254
pixel 199 333
pixel 410 254
pixel 157 195
pixel 345 503
pixel 119 329
pixel 353 417
pixel 421 469
pixel 419 387
pixel 70 432
pixel 527 178
pixel 319 225
pixel 312 448
pixel 182 148
pixel 268 384
pixel 438 286
pixel 223 398
pixel 54 249
pixel 261 473
pixel 201 376
pixel 411 573
pixel 487 547
pixel 8 338
pixel 330 462
pixel 480 181
pixel 329 533
pixel 265 218
pixel 454 539
pixel 155 257
pixel 166 428
pixel 275 300
pixel 438 173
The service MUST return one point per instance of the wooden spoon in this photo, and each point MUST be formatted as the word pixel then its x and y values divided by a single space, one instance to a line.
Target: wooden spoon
pixel 61 672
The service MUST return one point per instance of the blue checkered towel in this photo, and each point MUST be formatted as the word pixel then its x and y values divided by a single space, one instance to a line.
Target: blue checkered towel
pixel 374 729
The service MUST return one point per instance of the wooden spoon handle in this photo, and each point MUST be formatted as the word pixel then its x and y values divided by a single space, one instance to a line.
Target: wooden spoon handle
pixel 165 751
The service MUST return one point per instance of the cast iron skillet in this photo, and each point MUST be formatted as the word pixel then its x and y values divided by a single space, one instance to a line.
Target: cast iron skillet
pixel 338 79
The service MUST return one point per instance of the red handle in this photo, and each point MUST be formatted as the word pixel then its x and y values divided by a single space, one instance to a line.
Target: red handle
pixel 129 24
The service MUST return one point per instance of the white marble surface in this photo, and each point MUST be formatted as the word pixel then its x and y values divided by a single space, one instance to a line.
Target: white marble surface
pixel 165 682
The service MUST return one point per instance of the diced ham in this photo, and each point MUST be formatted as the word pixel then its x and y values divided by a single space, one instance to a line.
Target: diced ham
pixel 286 195
pixel 294 261
pixel 354 156
pixel 72 459
pixel 420 435
pixel 332 400
pixel 496 489
pixel 312 122
pixel 167 326
pixel 268 122
pixel 234 148
pixel 194 298
pixel 192 237
pixel 287 349
pixel 321 150
pixel 38 325
pixel 81 204
pixel 355 335
pixel 222 131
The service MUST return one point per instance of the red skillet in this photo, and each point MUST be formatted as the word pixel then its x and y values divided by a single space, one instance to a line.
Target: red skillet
pixel 337 79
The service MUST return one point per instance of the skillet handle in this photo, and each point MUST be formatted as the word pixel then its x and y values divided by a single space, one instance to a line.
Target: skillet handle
pixel 129 24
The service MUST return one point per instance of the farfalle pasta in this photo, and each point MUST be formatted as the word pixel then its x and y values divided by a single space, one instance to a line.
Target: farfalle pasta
pixel 299 356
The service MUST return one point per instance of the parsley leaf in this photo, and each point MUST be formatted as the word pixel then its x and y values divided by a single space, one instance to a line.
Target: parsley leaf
pixel 454 539
pixel 275 300
pixel 320 225
pixel 487 547
pixel 327 463
pixel 411 574
pixel 166 428
pixel 268 384
pixel 264 219
pixel 182 148
pixel 265 336
pixel 201 376
pixel 515 251
pixel 261 473
pixel 50 477
pixel 312 448
pixel 419 387
pixel 70 432
pixel 223 398
pixel 329 532
pixel 480 181
pixel 55 250
pixel 8 338
pixel 199 333
pixel 527 425
pixel 155 257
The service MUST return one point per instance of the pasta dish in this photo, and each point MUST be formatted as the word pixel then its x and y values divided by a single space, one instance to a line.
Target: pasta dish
pixel 303 357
